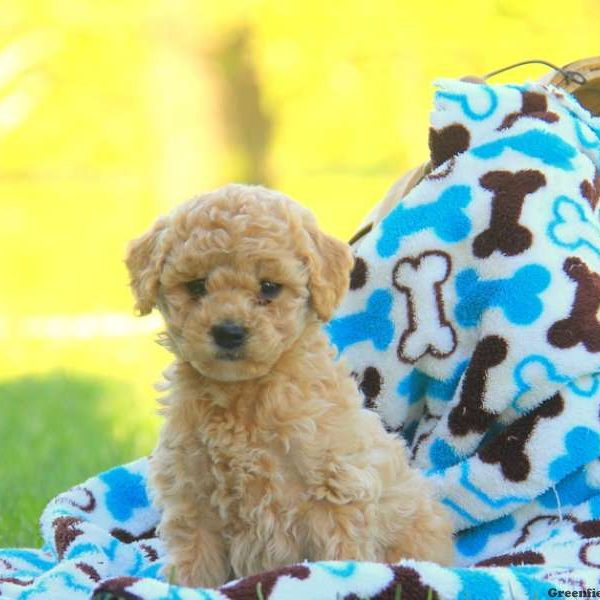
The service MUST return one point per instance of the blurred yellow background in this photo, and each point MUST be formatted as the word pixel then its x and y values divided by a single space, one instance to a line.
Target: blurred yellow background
pixel 112 112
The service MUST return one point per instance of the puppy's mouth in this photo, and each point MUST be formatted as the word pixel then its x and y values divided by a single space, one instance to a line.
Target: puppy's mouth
pixel 230 355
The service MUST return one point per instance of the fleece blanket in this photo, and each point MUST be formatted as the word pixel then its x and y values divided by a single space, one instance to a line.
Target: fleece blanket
pixel 472 328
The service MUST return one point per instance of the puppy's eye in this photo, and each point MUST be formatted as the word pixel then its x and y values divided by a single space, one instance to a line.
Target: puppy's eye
pixel 197 287
pixel 269 289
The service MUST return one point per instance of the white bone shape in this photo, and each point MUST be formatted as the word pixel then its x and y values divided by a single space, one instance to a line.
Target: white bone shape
pixel 421 279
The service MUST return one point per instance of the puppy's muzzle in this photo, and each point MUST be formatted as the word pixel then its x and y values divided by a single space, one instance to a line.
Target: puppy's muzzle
pixel 229 335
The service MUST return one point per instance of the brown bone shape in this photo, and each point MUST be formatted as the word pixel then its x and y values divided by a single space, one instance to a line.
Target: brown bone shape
pixel 505 233
pixel 448 142
pixel 359 274
pixel 246 588
pixel 469 415
pixel 533 105
pixel 508 448
pixel 66 531
pixel 410 584
pixel 117 588
pixel 127 537
pixel 89 571
pixel 582 325
pixel 369 384
pixel 528 557
pixel 588 529
pixel 15 581
pixel 591 191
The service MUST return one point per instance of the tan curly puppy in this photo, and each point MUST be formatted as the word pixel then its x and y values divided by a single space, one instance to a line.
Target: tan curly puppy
pixel 267 456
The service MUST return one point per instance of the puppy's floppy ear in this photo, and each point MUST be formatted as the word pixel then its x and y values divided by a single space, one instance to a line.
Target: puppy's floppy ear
pixel 144 260
pixel 329 264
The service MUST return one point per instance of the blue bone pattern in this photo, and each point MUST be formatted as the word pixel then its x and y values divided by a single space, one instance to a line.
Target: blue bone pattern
pixel 126 492
pixel 472 541
pixel 547 147
pixel 442 455
pixel 487 586
pixel 372 324
pixel 418 383
pixel 517 296
pixel 572 490
pixel 582 445
pixel 465 102
pixel 445 216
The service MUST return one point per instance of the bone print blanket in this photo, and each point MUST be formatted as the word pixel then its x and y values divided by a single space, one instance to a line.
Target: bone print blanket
pixel 472 327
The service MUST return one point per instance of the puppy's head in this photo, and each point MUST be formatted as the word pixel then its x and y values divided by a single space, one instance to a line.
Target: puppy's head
pixel 237 275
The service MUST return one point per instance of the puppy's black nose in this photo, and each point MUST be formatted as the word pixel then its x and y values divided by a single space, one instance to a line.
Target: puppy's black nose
pixel 229 335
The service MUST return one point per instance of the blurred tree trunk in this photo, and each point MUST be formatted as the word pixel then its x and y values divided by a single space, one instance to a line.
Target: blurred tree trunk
pixel 204 99
pixel 247 124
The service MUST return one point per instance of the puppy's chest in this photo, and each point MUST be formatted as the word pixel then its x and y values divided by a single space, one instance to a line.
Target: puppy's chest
pixel 248 472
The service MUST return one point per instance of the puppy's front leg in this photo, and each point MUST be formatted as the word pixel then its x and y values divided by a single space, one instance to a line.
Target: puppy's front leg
pixel 188 525
pixel 197 555
pixel 338 532
pixel 339 519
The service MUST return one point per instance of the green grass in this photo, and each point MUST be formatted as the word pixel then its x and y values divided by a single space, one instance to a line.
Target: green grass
pixel 55 432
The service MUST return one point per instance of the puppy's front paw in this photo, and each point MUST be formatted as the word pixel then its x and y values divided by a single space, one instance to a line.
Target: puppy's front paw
pixel 190 574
